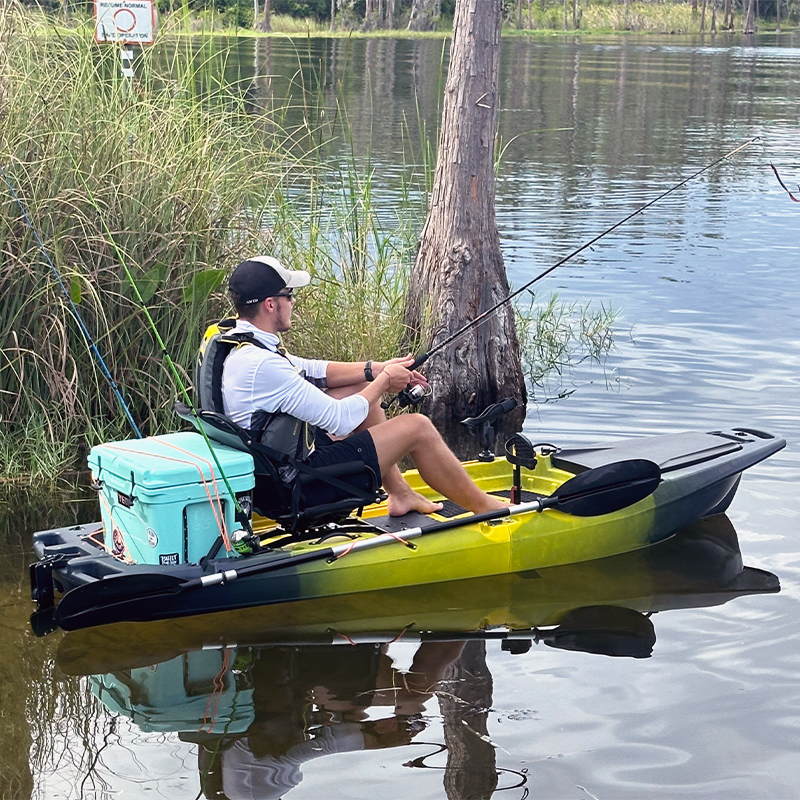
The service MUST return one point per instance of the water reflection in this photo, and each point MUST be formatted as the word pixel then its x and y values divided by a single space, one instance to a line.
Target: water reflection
pixel 263 692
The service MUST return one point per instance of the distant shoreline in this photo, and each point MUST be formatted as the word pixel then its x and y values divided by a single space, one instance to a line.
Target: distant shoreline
pixel 597 19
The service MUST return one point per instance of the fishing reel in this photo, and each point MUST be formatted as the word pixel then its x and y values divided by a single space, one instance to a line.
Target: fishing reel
pixel 410 396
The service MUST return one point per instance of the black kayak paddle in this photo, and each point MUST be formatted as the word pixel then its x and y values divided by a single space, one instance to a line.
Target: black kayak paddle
pixel 593 493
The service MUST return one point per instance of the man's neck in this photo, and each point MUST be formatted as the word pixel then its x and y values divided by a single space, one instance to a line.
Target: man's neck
pixel 264 323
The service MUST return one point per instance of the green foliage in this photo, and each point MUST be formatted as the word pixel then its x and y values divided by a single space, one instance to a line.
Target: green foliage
pixel 174 182
pixel 315 9
pixel 154 180
pixel 556 337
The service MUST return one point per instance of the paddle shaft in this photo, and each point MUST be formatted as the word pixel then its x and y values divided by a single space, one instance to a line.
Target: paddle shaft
pixel 332 553
pixel 597 491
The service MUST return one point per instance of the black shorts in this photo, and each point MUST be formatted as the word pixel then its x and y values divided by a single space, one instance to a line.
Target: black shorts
pixel 357 447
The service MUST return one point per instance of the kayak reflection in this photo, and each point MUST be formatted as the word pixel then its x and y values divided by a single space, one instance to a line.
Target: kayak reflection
pixel 260 694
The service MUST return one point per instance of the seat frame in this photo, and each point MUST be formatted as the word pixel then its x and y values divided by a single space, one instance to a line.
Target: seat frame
pixel 287 504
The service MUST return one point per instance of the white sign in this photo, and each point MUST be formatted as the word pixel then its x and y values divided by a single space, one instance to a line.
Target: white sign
pixel 125 21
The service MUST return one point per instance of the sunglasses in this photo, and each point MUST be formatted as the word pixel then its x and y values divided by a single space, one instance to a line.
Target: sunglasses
pixel 288 295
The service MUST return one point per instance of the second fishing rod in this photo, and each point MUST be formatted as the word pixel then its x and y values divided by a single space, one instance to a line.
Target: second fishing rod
pixel 412 395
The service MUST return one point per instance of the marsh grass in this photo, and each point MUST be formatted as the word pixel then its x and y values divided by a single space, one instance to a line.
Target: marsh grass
pixel 174 179
pixel 556 338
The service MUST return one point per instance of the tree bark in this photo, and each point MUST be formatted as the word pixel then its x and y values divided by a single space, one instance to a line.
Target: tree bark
pixel 266 21
pixel 471 772
pixel 424 15
pixel 750 24
pixel 371 8
pixel 459 270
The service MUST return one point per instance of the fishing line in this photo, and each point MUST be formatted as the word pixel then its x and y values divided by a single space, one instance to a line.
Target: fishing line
pixel 74 309
pixel 785 187
pixel 483 316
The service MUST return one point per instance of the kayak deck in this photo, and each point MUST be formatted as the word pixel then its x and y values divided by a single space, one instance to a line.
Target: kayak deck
pixel 700 474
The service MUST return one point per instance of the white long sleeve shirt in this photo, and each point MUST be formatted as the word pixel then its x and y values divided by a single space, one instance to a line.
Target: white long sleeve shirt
pixel 245 777
pixel 257 379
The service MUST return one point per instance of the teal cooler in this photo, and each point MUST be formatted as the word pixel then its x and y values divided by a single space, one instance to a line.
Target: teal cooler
pixel 195 692
pixel 154 495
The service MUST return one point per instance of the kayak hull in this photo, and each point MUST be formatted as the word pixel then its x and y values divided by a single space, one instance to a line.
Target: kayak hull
pixel 699 567
pixel 700 474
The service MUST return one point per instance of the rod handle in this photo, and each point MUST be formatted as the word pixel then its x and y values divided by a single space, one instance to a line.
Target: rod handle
pixel 419 361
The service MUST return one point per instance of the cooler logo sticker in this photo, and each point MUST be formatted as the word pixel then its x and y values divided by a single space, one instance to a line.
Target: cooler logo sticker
pixel 168 560
pixel 152 539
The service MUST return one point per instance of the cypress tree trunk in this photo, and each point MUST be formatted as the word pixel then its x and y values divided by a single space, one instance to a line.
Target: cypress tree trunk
pixel 471 772
pixel 424 15
pixel 459 270
pixel 266 21
pixel 750 23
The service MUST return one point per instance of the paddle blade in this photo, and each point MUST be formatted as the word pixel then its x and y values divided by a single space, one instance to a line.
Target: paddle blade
pixel 606 489
pixel 76 604
pixel 605 631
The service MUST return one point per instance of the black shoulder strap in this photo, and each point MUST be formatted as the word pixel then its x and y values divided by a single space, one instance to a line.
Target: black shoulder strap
pixel 226 343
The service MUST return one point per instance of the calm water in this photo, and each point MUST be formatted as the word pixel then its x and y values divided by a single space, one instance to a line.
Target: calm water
pixel 708 335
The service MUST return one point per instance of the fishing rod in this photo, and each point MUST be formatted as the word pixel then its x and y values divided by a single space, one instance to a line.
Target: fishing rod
pixel 408 396
pixel 73 308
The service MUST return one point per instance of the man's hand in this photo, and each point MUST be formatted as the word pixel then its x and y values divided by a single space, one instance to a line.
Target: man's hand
pixel 398 375
pixel 414 378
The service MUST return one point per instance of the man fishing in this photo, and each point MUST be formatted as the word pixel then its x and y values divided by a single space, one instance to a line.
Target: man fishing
pixel 263 388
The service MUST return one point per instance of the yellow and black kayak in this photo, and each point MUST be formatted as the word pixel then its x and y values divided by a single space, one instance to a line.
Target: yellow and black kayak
pixel 575 505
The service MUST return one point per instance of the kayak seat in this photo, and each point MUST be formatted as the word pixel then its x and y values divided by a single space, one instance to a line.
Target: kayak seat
pixel 290 503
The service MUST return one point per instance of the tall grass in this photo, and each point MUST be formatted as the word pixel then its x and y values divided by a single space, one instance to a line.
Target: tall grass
pixel 174 179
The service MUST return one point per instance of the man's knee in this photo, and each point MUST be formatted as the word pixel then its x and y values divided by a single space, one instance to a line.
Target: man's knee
pixel 418 428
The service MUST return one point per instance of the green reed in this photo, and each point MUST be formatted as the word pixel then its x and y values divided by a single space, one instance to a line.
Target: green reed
pixel 174 176
pixel 177 176
pixel 556 337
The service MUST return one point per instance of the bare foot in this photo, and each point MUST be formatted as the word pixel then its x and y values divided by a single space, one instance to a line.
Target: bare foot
pixel 490 502
pixel 400 504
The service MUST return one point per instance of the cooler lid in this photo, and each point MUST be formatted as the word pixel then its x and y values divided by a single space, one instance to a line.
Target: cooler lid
pixel 173 459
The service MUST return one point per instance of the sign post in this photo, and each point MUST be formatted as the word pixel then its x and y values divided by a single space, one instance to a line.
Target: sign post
pixel 125 22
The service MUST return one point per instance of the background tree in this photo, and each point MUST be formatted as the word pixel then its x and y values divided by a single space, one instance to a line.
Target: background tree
pixel 459 270
pixel 424 15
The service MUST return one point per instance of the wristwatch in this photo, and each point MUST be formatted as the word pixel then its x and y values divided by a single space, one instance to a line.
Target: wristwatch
pixel 368 371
